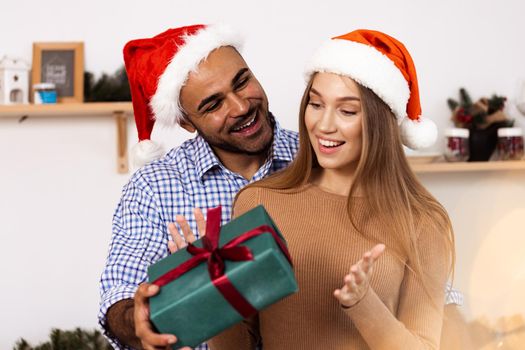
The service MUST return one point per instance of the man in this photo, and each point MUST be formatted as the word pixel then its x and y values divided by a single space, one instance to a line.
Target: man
pixel 238 142
pixel 195 77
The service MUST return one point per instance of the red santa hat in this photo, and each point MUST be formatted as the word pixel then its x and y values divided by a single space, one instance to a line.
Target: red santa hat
pixel 157 69
pixel 382 64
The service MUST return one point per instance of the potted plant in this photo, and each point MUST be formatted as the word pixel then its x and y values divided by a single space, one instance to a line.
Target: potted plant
pixel 483 119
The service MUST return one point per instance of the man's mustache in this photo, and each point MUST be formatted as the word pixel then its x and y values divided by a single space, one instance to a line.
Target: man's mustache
pixel 244 118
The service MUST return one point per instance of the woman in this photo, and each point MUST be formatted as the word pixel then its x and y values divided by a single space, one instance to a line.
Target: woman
pixel 372 249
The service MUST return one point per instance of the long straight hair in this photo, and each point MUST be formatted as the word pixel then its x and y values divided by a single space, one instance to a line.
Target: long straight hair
pixel 383 176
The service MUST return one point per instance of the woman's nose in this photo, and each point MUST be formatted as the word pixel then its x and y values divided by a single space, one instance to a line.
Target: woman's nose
pixel 327 121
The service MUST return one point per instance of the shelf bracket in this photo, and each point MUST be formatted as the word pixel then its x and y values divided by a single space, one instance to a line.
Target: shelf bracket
pixel 122 141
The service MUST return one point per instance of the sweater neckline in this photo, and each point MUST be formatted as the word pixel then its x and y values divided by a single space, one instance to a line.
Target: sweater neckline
pixel 327 195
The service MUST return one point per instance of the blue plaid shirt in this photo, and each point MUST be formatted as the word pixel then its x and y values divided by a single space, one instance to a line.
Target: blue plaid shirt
pixel 188 177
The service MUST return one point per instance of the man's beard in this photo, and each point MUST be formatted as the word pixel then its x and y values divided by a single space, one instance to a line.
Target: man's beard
pixel 225 146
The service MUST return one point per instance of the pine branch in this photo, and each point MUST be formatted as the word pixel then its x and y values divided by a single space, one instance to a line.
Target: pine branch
pixel 464 98
pixel 22 344
pixel 452 104
pixel 496 103
pixel 108 88
pixel 77 339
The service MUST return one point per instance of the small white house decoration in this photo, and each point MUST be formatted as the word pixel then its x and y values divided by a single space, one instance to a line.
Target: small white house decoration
pixel 14 81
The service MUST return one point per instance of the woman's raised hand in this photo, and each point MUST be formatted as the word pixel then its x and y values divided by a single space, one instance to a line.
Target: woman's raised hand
pixel 357 282
pixel 178 242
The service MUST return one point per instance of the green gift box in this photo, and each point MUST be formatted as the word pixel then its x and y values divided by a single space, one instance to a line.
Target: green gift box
pixel 195 308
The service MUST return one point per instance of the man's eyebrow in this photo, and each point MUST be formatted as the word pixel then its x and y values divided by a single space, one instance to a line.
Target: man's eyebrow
pixel 208 100
pixel 239 75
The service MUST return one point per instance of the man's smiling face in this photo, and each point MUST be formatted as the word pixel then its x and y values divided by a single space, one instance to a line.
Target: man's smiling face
pixel 225 103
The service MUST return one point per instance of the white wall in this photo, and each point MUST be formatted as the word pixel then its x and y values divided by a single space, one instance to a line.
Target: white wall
pixel 58 185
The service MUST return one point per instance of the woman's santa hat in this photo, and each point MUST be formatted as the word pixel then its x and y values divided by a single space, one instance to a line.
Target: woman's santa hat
pixel 158 68
pixel 382 64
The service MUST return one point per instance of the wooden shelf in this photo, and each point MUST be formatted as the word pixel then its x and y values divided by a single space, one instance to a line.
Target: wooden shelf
pixel 458 167
pixel 120 111
pixel 95 109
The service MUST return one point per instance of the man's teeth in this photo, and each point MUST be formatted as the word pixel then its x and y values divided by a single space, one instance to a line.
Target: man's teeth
pixel 247 125
pixel 327 143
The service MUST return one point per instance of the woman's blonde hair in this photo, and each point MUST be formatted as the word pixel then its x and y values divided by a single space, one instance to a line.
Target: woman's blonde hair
pixel 383 176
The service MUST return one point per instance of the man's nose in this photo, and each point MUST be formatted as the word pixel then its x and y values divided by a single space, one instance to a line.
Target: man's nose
pixel 239 106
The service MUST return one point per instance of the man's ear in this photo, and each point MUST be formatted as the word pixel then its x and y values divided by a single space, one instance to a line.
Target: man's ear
pixel 187 125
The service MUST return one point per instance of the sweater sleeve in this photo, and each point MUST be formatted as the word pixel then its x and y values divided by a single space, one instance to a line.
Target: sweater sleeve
pixel 244 335
pixel 420 312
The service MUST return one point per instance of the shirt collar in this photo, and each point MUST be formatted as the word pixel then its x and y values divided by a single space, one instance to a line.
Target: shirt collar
pixel 205 158
pixel 281 148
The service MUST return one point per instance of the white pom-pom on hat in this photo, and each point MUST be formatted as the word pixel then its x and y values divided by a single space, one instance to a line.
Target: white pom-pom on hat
pixel 419 133
pixel 145 151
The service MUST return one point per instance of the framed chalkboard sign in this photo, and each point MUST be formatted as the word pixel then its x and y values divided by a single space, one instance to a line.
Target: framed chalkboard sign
pixel 61 64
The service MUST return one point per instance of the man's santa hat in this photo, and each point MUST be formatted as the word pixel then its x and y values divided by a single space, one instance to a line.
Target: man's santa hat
pixel 382 64
pixel 158 68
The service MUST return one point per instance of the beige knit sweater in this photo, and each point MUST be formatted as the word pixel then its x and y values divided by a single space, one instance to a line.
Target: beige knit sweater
pixel 396 313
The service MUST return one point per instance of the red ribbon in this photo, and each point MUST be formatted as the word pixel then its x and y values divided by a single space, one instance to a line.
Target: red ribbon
pixel 215 257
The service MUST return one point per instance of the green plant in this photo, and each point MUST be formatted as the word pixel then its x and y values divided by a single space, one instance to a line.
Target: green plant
pixel 77 339
pixel 108 88
pixel 478 115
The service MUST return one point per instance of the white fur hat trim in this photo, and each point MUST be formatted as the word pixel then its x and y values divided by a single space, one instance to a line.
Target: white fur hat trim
pixel 165 102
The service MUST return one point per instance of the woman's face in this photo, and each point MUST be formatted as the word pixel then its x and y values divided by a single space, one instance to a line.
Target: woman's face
pixel 333 118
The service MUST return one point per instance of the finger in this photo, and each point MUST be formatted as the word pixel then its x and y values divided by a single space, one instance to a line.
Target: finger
pixel 337 294
pixel 344 289
pixel 145 291
pixel 172 247
pixel 359 275
pixel 142 295
pixel 366 262
pixel 354 288
pixel 185 227
pixel 176 236
pixel 350 283
pixel 347 279
pixel 154 340
pixel 340 295
pixel 343 298
pixel 377 251
pixel 146 346
pixel 201 222
pixel 371 256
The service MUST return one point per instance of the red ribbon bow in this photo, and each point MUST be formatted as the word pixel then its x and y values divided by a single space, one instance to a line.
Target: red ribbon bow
pixel 215 257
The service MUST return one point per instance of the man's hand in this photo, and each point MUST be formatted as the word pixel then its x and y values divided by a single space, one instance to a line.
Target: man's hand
pixel 179 243
pixel 357 282
pixel 149 339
